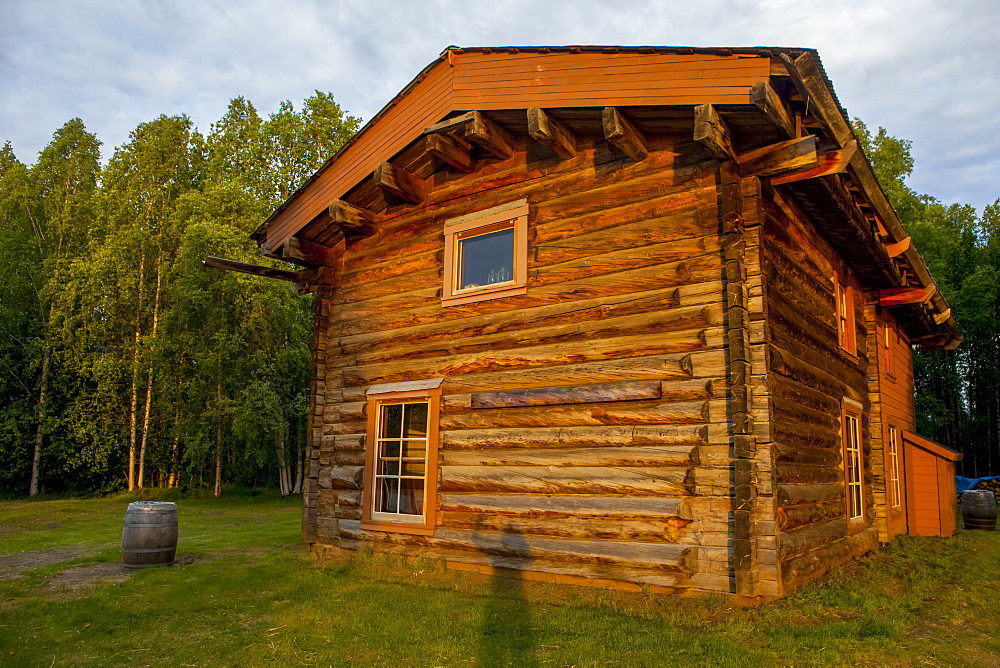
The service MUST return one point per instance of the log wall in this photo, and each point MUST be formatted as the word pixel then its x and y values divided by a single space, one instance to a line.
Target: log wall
pixel 627 282
pixel 809 377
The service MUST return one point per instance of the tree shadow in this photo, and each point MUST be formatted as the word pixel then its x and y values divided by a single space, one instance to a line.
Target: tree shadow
pixel 507 637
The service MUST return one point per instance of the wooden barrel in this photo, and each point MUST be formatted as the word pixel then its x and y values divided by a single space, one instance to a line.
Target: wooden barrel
pixel 979 510
pixel 150 534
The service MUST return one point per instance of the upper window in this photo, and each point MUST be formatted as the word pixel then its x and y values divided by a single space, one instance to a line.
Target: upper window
pixel 486 254
pixel 401 461
pixel 846 332
pixel 853 469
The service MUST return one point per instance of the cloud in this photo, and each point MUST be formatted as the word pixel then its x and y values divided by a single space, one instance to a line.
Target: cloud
pixel 925 70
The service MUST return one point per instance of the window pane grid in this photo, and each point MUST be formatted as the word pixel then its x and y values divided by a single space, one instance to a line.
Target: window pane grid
pixel 897 496
pixel 401 448
pixel 853 464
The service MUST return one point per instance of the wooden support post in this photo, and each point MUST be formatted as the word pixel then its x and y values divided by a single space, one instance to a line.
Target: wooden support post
pixel 352 220
pixel 623 135
pixel 711 132
pixel 900 296
pixel 787 157
pixel 546 130
pixel 305 253
pixel 398 183
pixel 493 138
pixel 774 108
pixel 451 150
pixel 831 162
pixel 255 269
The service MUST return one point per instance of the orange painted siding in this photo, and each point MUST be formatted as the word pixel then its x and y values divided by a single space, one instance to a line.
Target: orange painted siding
pixel 518 81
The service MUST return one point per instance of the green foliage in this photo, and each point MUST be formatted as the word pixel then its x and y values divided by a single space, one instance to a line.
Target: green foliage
pixel 128 361
pixel 958 392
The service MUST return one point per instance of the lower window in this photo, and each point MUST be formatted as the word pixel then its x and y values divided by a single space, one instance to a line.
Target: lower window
pixel 853 469
pixel 401 461
pixel 894 485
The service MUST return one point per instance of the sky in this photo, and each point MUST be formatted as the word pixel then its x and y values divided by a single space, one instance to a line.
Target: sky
pixel 926 70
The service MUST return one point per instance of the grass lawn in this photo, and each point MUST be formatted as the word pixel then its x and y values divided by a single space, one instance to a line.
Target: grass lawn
pixel 246 593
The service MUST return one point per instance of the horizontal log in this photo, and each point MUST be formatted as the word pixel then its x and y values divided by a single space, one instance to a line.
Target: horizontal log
pixel 799 541
pixel 805 474
pixel 789 495
pixel 524 358
pixel 254 269
pixel 684 413
pixel 575 437
pixel 545 570
pixel 565 480
pixel 625 530
pixel 633 507
pixel 556 457
pixel 803 569
pixel 794 517
pixel 793 155
pixel 569 394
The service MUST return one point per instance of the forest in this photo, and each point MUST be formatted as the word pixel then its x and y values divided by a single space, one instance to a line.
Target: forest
pixel 124 363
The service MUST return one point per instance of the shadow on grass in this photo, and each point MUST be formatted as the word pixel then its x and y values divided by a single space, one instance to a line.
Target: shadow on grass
pixel 507 636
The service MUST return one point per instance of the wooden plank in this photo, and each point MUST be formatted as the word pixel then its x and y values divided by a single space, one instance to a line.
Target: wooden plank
pixel 244 268
pixel 898 248
pixel 451 150
pixel 399 184
pixel 620 132
pixel 831 162
pixel 547 131
pixel 787 157
pixel 900 296
pixel 774 108
pixel 712 132
pixel 482 131
pixel 571 394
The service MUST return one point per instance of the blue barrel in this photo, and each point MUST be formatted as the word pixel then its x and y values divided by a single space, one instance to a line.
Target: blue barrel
pixel 150 534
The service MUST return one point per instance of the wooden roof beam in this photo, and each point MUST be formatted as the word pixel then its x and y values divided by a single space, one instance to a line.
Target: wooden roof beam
pixel 254 269
pixel 399 184
pixel 490 136
pixel 302 252
pixel 621 134
pixel 712 133
pixel 774 108
pixel 352 220
pixel 787 157
pixel 450 150
pixel 548 131
pixel 901 296
pixel 831 162
pixel 898 248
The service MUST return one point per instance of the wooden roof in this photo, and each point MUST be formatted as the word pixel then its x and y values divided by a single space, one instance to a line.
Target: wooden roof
pixel 494 82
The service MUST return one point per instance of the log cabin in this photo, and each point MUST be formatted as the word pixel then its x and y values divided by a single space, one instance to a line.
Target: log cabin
pixel 632 317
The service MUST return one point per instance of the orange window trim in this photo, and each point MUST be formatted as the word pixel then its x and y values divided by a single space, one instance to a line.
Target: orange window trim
pixel 425 527
pixel 508 216
pixel 846 326
pixel 854 470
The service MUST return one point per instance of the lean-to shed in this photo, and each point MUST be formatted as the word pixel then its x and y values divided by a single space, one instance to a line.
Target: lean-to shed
pixel 620 316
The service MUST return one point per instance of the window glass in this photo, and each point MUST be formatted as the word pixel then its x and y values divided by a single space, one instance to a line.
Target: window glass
pixel 400 458
pixel 485 259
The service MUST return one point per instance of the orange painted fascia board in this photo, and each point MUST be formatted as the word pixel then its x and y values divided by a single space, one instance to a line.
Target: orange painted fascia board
pixel 932 447
pixel 556 79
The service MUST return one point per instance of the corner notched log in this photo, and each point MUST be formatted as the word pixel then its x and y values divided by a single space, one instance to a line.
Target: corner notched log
pixel 712 132
pixel 622 134
pixel 352 220
pixel 774 108
pixel 397 183
pixel 451 150
pixel 305 253
pixel 546 130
